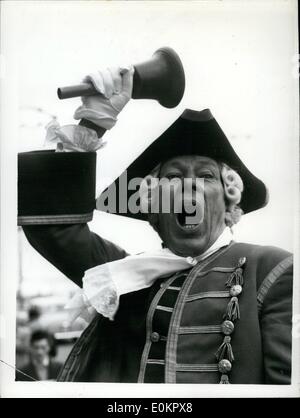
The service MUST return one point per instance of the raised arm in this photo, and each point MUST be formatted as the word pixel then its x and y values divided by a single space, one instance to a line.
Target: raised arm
pixel 73 248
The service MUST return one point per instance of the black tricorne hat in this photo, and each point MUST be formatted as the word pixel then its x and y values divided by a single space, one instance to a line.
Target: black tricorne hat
pixel 193 133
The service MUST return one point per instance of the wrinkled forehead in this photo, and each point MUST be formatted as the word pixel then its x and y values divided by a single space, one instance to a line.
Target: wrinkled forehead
pixel 195 161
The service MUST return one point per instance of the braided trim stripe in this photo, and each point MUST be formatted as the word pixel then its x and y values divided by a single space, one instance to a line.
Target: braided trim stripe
pixel 204 295
pixel 55 219
pixel 271 278
pixel 205 329
pixel 197 368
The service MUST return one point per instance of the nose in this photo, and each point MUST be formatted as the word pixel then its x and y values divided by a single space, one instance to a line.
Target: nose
pixel 191 173
pixel 192 184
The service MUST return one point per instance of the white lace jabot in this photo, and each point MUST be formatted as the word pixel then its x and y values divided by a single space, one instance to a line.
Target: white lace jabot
pixel 104 284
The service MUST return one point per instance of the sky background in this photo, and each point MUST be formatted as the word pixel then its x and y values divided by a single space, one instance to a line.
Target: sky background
pixel 238 61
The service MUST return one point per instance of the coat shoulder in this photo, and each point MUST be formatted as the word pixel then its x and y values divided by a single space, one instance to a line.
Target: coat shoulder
pixel 265 258
pixel 265 252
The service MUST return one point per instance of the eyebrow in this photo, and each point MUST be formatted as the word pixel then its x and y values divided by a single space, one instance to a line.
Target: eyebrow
pixel 199 165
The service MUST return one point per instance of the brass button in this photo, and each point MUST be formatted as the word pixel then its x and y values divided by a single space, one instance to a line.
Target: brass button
pixel 191 261
pixel 242 261
pixel 227 327
pixel 236 290
pixel 155 337
pixel 224 366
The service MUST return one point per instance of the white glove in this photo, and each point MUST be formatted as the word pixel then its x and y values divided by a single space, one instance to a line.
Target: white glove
pixel 115 88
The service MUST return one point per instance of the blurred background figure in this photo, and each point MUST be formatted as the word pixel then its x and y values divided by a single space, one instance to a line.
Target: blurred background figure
pixel 42 364
pixel 34 315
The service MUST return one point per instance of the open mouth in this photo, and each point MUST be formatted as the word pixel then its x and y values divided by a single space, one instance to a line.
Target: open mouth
pixel 188 220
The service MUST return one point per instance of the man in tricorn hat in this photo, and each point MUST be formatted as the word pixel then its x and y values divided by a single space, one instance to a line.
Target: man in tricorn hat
pixel 204 308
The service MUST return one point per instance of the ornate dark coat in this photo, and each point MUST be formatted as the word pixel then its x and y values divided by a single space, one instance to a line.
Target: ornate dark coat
pixel 226 319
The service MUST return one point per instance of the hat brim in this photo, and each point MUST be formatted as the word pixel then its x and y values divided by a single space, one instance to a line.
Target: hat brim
pixel 193 133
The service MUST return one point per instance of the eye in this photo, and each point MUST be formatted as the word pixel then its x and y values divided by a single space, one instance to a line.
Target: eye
pixel 206 176
pixel 173 176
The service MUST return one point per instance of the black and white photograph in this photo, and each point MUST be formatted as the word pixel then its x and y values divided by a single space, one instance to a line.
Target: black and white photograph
pixel 149 199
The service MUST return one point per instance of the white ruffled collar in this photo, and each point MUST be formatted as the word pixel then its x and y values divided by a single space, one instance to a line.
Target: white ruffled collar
pixel 104 284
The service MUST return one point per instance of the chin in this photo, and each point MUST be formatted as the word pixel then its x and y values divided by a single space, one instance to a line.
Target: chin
pixel 188 247
pixel 184 239
pixel 187 242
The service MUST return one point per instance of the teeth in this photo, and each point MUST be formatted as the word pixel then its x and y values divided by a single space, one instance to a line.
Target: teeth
pixel 192 226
